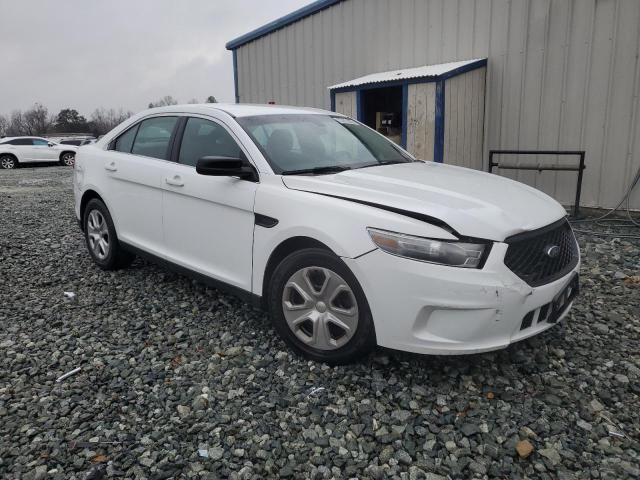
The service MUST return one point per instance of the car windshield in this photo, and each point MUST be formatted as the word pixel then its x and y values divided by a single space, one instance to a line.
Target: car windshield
pixel 318 144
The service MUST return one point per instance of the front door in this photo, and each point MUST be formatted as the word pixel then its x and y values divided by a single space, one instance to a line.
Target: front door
pixel 209 221
pixel 42 152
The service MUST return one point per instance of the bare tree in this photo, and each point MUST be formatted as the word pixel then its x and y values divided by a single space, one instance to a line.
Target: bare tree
pixel 37 120
pixel 164 101
pixel 4 124
pixel 103 120
pixel 34 121
pixel 16 125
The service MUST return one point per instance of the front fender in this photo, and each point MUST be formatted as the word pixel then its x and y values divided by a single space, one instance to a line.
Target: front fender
pixel 339 224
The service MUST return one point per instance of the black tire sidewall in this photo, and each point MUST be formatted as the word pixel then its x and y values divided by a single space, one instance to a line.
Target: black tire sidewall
pixel 111 261
pixel 362 341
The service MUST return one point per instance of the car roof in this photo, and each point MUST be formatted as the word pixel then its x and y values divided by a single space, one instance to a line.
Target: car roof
pixel 4 139
pixel 239 109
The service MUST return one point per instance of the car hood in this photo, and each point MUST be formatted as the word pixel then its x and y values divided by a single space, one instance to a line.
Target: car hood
pixel 473 203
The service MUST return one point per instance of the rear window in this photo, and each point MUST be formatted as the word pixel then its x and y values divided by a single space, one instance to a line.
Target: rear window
pixel 21 141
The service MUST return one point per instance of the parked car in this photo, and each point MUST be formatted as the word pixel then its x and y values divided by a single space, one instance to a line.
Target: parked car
pixel 344 237
pixel 17 150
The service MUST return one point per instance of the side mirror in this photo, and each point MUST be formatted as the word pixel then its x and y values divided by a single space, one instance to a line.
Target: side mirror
pixel 225 167
pixel 50 144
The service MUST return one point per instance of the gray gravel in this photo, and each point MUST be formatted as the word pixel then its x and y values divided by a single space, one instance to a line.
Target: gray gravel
pixel 180 381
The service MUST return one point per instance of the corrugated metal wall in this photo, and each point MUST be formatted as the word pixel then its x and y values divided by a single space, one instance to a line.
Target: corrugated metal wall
pixel 464 119
pixel 562 74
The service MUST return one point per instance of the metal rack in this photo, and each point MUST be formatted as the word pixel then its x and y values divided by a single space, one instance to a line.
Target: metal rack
pixel 579 168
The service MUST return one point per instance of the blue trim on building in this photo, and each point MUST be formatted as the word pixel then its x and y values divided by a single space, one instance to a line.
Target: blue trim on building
pixel 464 69
pixel 359 106
pixel 281 22
pixel 438 144
pixel 333 101
pixel 405 114
pixel 235 75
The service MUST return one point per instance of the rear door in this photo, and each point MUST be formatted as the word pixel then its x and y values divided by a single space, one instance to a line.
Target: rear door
pixel 23 148
pixel 209 221
pixel 135 169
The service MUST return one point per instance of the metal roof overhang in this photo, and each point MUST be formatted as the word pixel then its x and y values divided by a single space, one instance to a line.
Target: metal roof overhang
pixel 426 73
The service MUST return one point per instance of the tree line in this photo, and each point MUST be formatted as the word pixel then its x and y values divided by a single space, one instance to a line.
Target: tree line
pixel 37 121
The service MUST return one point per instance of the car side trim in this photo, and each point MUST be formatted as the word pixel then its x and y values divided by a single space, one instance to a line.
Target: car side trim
pixel 265 221
pixel 249 297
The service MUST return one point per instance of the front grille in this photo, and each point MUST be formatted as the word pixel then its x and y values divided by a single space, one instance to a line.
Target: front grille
pixel 527 255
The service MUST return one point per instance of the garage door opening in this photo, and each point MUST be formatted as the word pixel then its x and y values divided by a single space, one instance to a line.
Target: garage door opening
pixel 382 111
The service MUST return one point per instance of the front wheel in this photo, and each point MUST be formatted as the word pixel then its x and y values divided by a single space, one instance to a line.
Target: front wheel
pixel 68 159
pixel 319 309
pixel 100 236
pixel 8 162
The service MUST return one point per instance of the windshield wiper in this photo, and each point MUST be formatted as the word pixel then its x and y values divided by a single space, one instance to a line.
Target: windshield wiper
pixel 317 170
pixel 385 162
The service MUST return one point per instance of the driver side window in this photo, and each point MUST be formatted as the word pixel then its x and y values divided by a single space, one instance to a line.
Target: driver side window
pixel 204 138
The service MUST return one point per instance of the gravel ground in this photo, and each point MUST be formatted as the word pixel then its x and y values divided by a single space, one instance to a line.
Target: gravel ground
pixel 180 381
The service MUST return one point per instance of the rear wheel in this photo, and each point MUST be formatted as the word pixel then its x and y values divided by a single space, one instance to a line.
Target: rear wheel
pixel 100 236
pixel 8 162
pixel 68 159
pixel 319 308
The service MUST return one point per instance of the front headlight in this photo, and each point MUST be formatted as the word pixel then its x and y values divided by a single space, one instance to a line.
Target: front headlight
pixel 444 252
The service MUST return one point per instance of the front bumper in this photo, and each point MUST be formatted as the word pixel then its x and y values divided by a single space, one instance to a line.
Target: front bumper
pixel 433 309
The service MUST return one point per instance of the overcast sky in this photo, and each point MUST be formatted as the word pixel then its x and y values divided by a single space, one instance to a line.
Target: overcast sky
pixel 122 53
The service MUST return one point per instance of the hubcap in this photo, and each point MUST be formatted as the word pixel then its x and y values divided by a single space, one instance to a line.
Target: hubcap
pixel 320 308
pixel 98 234
pixel 8 162
pixel 68 159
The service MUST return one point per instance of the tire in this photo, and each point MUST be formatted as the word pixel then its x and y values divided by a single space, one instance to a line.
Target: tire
pixel 67 159
pixel 101 239
pixel 8 162
pixel 311 321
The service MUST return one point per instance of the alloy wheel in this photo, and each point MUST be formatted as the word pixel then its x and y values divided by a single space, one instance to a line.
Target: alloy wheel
pixel 7 162
pixel 320 308
pixel 98 235
pixel 68 159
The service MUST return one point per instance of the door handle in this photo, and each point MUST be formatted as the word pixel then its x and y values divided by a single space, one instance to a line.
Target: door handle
pixel 111 166
pixel 176 181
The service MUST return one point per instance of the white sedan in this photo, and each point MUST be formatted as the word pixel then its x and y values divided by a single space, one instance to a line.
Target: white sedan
pixel 344 237
pixel 17 150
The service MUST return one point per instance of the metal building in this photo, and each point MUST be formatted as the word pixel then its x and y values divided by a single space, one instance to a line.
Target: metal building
pixel 560 75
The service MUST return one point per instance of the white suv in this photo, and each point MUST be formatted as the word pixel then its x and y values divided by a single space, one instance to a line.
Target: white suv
pixel 16 150
pixel 344 237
